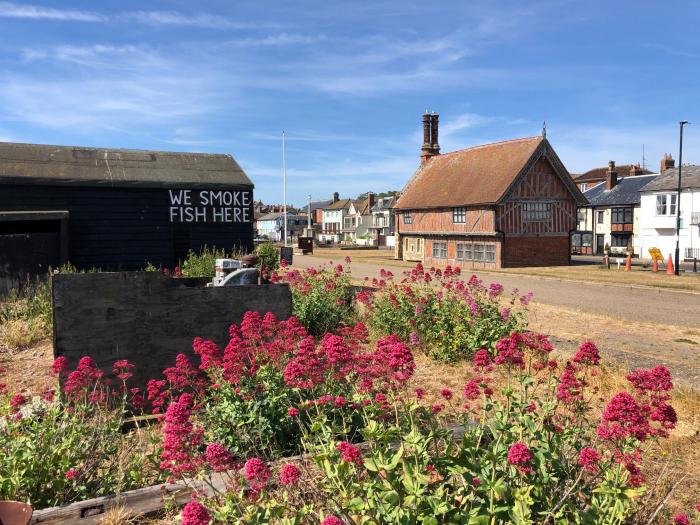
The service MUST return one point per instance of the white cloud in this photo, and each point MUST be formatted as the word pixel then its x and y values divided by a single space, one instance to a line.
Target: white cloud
pixel 202 20
pixel 13 10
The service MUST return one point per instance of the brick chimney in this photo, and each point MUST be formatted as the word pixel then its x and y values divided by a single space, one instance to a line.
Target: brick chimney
pixel 611 176
pixel 430 137
pixel 635 169
pixel 336 197
pixel 434 133
pixel 372 198
pixel 667 163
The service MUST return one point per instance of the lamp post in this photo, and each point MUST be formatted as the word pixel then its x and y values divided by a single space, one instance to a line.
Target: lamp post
pixel 678 199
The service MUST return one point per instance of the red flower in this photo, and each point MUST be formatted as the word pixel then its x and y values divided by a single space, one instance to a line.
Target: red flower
pixel 436 409
pixel 588 459
pixel 59 365
pixel 218 457
pixel 570 388
pixel 446 393
pixel 122 369
pixel 349 452
pixel 256 472
pixel 194 513
pixel 482 359
pixel 420 393
pixel 332 520
pixel 71 473
pixel 471 390
pixel 681 519
pixel 657 379
pixel 519 455
pixel 293 412
pixel 17 401
pixel 587 354
pixel 290 474
pixel 623 417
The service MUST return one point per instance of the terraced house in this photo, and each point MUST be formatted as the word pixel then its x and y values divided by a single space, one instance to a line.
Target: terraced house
pixel 498 205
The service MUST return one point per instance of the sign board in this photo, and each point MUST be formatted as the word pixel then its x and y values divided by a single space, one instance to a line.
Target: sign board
pixel 656 254
pixel 209 206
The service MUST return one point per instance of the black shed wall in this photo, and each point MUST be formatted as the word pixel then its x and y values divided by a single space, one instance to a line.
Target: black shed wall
pixel 123 228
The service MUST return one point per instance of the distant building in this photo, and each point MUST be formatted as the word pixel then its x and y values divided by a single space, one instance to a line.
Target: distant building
pixel 497 205
pixel 271 226
pixel 612 215
pixel 358 221
pixel 659 208
pixel 382 229
pixel 593 177
pixel 333 220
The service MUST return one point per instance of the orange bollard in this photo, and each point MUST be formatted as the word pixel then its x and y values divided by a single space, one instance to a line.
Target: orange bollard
pixel 628 263
pixel 669 265
pixel 655 265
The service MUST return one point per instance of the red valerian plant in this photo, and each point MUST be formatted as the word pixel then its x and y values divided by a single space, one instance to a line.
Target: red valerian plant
pixel 437 311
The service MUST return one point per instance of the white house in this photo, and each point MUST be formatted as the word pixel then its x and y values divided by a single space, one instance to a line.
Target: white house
pixel 658 213
pixel 333 220
pixel 358 221
pixel 382 229
pixel 271 225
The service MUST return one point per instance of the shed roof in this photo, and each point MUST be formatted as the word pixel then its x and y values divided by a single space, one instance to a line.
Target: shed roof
pixel 42 164
pixel 668 180
pixel 625 192
pixel 478 175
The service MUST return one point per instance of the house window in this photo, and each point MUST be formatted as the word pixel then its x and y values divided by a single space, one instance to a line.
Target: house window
pixel 537 211
pixel 601 217
pixel 618 240
pixel 622 215
pixel 584 186
pixel 439 250
pixel 459 215
pixel 666 204
pixel 484 252
pixel 407 218
pixel 580 215
pixel 464 251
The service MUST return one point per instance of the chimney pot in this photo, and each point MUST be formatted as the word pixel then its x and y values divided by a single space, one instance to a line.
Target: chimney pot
pixel 434 133
pixel 371 197
pixel 667 163
pixel 430 137
pixel 336 196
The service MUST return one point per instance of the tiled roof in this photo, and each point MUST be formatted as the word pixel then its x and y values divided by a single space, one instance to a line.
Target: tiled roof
pixel 478 175
pixel 598 174
pixel 668 180
pixel 625 192
pixel 39 163
pixel 339 205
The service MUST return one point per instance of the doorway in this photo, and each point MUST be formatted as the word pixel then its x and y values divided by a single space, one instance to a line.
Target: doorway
pixel 600 244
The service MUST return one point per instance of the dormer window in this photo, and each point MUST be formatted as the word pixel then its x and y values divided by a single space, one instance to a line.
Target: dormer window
pixel 459 215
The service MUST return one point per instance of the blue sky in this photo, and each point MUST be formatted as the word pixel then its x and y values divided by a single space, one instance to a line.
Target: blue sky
pixel 348 81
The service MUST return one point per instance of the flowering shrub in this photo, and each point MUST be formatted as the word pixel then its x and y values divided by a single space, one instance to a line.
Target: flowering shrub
pixel 322 299
pixel 70 446
pixel 524 453
pixel 449 318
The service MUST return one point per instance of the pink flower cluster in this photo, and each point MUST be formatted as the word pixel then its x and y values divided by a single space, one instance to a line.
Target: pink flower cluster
pixel 519 455
pixel 180 439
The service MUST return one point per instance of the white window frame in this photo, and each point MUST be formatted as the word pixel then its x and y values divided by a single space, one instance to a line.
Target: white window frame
pixel 459 215
pixel 666 204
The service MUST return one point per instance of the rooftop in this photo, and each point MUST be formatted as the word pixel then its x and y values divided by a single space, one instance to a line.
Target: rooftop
pixel 668 180
pixel 42 164
pixel 598 174
pixel 625 192
pixel 475 176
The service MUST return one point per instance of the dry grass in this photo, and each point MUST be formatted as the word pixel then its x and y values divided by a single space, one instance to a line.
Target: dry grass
pixel 17 334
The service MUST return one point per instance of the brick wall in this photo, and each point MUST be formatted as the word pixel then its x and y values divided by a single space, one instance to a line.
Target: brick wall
pixel 536 251
pixel 428 259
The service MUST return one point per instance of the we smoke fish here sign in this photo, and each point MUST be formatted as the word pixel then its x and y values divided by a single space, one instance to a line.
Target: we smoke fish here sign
pixel 209 206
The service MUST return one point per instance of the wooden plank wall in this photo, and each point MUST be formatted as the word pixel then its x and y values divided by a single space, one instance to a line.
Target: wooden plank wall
pixel 148 318
pixel 479 220
pixel 120 228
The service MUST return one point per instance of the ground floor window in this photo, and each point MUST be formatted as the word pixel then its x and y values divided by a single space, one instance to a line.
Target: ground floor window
pixel 439 250
pixel 581 240
pixel 477 251
pixel 620 240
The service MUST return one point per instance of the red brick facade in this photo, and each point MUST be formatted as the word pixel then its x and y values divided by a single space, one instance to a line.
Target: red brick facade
pixel 536 251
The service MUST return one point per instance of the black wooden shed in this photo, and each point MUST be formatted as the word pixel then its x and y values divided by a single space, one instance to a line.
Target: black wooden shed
pixel 116 209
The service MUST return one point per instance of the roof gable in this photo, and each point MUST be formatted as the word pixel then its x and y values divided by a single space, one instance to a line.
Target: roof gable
pixel 479 175
pixel 668 180
pixel 625 192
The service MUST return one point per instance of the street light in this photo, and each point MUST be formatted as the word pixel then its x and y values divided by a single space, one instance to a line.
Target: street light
pixel 678 199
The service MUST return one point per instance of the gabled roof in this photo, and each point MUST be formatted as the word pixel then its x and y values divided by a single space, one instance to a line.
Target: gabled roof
pixel 384 203
pixel 319 205
pixel 274 216
pixel 42 164
pixel 598 174
pixel 478 175
pixel 668 180
pixel 624 193
pixel 362 206
pixel 339 205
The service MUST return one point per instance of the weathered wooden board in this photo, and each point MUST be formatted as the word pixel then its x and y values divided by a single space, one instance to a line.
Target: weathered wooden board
pixel 148 318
